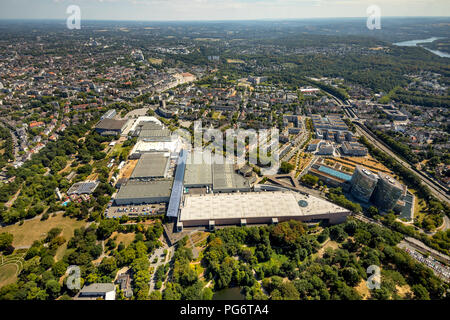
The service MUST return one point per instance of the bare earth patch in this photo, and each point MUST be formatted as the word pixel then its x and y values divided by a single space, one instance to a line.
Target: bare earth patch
pixel 36 229
pixel 363 290
pixel 404 291
pixel 126 238
pixel 328 244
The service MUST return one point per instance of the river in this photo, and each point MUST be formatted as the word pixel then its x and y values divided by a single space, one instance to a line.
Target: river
pixel 416 43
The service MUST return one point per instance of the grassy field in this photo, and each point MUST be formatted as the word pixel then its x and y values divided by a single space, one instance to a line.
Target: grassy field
pixel 10 266
pixel 216 115
pixel 36 229
pixel 8 274
pixel 419 206
pixel 126 238
pixel 235 61
pixel 363 290
pixel 155 61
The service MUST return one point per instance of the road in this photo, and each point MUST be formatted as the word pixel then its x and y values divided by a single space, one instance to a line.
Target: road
pixel 436 189
pixel 162 260
pixel 14 138
pixel 411 241
pixel 439 269
pixel 297 144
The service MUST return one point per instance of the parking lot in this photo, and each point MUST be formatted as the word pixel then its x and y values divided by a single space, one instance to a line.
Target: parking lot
pixel 440 270
pixel 135 210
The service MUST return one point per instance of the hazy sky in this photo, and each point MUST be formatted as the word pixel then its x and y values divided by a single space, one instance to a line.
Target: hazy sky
pixel 217 9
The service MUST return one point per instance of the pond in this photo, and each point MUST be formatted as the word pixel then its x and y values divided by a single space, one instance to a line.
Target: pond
pixel 229 294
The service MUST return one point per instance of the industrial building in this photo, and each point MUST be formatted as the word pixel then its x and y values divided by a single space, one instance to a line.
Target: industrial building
pixel 198 175
pixel 110 126
pixel 145 125
pixel 144 122
pixel 95 291
pixel 210 210
pixel 144 192
pixel 204 172
pixel 154 134
pixel 87 187
pixel 150 166
pixel 225 179
pixel 387 193
pixel 363 183
pixel 170 148
pixel 109 114
pixel 177 189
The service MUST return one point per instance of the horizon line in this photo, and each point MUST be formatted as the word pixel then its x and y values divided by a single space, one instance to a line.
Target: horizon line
pixel 217 20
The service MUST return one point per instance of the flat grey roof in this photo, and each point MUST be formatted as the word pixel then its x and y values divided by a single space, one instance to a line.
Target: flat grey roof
pixel 253 205
pixel 198 173
pixel 224 177
pixel 110 124
pixel 390 179
pixel 98 288
pixel 149 125
pixel 145 189
pixel 154 134
pixel 151 165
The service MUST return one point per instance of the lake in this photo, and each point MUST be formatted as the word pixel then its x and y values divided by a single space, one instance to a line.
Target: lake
pixel 415 43
pixel 229 294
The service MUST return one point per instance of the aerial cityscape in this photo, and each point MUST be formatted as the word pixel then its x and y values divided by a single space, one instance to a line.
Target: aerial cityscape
pixel 206 157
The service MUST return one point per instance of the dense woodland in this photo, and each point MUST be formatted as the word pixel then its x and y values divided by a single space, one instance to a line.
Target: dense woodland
pixel 278 262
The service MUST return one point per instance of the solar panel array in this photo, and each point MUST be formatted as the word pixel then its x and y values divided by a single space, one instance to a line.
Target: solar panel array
pixel 177 188
pixel 83 188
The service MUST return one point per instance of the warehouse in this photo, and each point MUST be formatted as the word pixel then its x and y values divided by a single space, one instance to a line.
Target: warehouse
pixel 201 172
pixel 150 166
pixel 155 135
pixel 110 126
pixel 225 179
pixel 144 192
pixel 211 210
pixel 141 147
pixel 198 173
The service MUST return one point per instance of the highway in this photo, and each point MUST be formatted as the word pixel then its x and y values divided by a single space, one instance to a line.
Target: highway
pixel 437 190
pixel 411 241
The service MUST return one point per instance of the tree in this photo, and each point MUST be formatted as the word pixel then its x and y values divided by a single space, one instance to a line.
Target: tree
pixel 351 276
pixel 309 179
pixel 53 288
pixel 6 240
pixel 47 262
pixel 106 228
pixel 108 266
pixel 372 211
pixel 59 268
pixel 420 292
pixel 207 294
pixel 286 167
pixel 155 295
